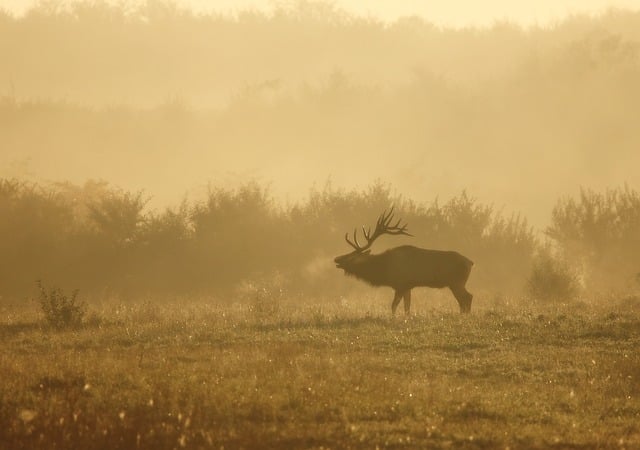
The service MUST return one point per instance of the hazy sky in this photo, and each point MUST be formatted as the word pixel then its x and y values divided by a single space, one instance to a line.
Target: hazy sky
pixel 444 12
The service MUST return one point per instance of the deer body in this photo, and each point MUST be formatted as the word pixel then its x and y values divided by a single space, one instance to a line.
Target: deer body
pixel 406 267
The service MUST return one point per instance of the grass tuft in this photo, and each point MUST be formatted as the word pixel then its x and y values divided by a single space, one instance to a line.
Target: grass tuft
pixel 60 310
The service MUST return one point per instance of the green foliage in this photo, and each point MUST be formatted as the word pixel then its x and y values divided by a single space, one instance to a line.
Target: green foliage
pixel 60 310
pixel 600 232
pixel 118 215
pixel 36 223
pixel 551 279
pixel 103 239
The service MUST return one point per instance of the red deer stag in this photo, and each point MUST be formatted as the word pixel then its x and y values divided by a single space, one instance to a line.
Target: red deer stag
pixel 405 267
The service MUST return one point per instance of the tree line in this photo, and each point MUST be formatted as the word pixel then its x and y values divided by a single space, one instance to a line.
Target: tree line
pixel 106 242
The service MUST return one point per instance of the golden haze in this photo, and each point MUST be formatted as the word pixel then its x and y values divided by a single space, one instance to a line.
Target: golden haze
pixel 160 99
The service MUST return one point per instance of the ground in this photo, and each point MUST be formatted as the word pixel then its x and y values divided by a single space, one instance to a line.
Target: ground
pixel 193 375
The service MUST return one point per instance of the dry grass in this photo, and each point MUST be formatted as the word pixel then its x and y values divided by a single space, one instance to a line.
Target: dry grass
pixel 196 376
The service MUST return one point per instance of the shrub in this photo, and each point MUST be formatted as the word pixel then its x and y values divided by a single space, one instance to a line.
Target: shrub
pixel 102 239
pixel 601 231
pixel 551 279
pixel 60 311
pixel 118 216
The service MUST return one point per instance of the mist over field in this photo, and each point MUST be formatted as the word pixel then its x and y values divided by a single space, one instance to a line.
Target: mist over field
pixel 162 99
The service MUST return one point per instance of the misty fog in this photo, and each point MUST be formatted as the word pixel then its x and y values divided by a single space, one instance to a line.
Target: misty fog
pixel 161 99
pixel 176 108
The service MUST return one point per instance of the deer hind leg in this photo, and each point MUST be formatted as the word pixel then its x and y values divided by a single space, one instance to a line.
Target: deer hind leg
pixel 463 296
pixel 407 302
pixel 396 301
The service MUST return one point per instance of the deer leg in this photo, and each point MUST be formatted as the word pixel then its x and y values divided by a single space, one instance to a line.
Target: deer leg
pixel 396 301
pixel 407 302
pixel 464 298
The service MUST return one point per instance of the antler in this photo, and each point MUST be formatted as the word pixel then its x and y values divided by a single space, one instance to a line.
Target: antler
pixel 382 227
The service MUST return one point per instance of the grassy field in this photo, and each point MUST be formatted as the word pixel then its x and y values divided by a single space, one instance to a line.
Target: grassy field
pixel 192 375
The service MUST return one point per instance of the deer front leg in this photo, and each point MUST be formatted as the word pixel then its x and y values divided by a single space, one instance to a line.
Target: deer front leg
pixel 396 301
pixel 407 302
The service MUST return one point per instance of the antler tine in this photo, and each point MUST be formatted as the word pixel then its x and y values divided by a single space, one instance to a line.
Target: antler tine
pixel 387 228
pixel 399 230
pixel 382 227
pixel 386 218
pixel 355 239
pixel 397 227
pixel 383 221
pixel 346 238
pixel 367 234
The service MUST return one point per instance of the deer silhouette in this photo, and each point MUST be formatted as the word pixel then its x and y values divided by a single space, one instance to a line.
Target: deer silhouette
pixel 406 267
